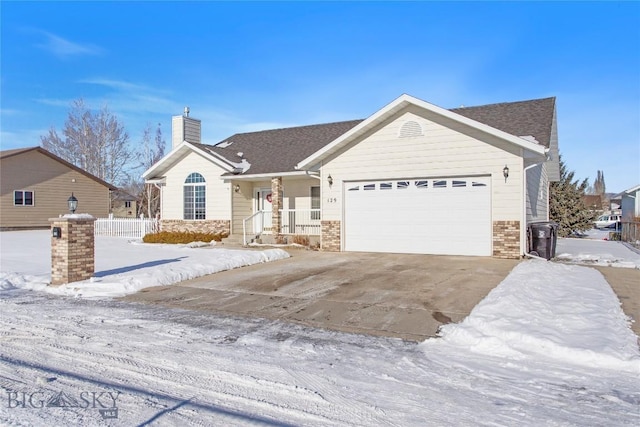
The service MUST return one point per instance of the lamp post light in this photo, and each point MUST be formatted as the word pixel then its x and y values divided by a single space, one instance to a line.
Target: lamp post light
pixel 73 203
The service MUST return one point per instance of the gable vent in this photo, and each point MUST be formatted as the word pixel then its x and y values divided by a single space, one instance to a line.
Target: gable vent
pixel 410 129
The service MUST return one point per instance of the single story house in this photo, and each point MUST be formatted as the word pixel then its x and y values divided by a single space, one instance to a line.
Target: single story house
pixel 411 178
pixel 630 203
pixel 35 185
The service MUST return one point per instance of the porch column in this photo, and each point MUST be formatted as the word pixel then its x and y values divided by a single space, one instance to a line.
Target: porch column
pixel 276 206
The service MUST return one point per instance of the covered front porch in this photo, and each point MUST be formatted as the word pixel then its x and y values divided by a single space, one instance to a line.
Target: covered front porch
pixel 305 222
pixel 272 208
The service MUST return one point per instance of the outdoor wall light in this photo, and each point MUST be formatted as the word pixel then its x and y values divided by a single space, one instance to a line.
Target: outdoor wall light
pixel 73 203
pixel 505 172
pixel 236 188
pixel 330 180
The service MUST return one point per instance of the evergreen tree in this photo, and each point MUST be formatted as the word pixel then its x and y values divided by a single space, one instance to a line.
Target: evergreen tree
pixel 599 187
pixel 566 203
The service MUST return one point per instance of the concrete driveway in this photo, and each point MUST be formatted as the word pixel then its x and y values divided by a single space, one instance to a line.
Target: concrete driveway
pixel 405 296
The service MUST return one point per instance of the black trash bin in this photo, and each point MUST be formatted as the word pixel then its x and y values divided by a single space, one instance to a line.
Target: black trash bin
pixel 543 238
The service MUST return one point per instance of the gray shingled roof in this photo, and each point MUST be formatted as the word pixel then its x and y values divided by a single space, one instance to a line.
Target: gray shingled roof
pixel 523 118
pixel 279 150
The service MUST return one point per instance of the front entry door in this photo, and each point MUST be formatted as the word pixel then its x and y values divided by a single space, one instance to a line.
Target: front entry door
pixel 263 203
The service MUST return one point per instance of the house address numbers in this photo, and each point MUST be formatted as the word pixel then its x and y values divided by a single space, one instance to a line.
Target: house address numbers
pixel 332 200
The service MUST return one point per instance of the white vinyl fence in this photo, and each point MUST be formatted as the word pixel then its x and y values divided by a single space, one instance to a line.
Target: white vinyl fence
pixel 126 227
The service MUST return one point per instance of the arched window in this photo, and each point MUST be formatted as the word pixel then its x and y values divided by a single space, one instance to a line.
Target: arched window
pixel 195 197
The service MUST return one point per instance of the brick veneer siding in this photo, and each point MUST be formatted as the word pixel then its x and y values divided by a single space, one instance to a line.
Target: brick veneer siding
pixel 330 236
pixel 219 226
pixel 506 239
pixel 73 254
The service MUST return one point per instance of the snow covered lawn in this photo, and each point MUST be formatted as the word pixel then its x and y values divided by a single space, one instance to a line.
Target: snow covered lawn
pixel 548 346
pixel 123 266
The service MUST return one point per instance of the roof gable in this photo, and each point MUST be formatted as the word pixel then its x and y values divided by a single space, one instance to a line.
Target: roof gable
pixel 404 101
pixel 164 164
pixel 16 152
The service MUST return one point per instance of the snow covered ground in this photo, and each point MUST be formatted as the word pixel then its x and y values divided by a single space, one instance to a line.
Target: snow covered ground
pixel 122 266
pixel 548 346
pixel 595 249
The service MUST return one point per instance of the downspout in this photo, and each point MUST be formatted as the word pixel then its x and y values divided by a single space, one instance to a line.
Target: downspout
pixel 313 176
pixel 523 230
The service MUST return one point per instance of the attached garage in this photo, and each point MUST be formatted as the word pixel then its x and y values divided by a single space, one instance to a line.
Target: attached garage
pixel 444 216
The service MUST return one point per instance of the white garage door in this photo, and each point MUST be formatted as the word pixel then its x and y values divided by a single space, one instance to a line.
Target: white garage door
pixel 448 216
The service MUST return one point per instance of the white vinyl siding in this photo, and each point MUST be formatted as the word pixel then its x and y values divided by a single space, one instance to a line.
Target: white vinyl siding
pixel 297 193
pixel 445 150
pixel 537 194
pixel 242 205
pixel 218 202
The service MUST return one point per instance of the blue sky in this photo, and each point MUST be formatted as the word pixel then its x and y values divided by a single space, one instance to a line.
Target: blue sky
pixel 258 65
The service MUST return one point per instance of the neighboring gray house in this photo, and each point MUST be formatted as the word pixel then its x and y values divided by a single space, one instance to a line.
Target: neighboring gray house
pixel 411 178
pixel 630 203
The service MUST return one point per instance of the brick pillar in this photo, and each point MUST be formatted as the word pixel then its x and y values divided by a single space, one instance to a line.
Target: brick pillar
pixel 506 239
pixel 73 254
pixel 276 206
pixel 330 236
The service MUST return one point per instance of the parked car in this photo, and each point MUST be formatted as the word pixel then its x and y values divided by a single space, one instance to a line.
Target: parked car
pixel 607 221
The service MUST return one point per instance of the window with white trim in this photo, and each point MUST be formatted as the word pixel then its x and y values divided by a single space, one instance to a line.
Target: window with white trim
pixel 315 203
pixel 195 197
pixel 23 198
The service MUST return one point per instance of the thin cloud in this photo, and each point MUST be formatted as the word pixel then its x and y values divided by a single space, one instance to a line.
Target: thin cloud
pixel 64 48
pixel 133 97
pixel 55 102
pixel 115 84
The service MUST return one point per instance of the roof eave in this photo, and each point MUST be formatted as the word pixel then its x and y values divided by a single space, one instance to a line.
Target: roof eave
pixel 397 105
pixel 49 154
pixel 157 169
pixel 255 176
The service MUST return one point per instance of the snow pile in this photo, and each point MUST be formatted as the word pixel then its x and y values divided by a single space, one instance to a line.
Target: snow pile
pixel 542 309
pixel 597 252
pixel 122 266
